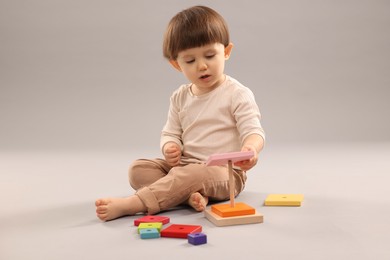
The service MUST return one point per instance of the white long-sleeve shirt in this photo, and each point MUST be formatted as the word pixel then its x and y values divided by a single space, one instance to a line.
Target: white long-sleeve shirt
pixel 216 122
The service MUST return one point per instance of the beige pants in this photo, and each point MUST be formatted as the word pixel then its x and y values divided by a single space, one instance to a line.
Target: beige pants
pixel 161 187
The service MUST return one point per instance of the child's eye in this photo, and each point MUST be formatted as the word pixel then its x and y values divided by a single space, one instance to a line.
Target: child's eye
pixel 210 56
pixel 190 61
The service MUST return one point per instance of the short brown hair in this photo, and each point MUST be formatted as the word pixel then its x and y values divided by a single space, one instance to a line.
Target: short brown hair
pixel 194 27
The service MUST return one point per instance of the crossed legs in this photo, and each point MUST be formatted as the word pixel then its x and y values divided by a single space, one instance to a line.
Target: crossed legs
pixel 160 187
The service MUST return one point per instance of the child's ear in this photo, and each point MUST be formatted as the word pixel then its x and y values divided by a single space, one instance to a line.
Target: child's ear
pixel 228 50
pixel 175 64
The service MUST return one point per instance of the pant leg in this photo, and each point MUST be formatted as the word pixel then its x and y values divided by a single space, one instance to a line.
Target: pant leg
pixel 144 172
pixel 181 181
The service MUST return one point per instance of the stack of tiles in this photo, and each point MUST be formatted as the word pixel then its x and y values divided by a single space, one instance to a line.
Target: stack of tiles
pixel 150 226
pixel 149 230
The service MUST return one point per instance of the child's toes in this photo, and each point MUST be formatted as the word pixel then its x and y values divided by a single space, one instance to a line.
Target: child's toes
pixel 102 216
pixel 101 210
pixel 98 202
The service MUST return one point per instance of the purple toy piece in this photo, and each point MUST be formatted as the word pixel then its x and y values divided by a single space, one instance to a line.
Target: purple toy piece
pixel 197 238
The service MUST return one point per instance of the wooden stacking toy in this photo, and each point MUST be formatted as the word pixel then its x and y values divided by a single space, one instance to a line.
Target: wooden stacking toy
pixel 232 213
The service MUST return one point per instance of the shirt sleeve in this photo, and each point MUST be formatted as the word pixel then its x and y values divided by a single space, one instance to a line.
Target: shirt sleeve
pixel 246 113
pixel 172 130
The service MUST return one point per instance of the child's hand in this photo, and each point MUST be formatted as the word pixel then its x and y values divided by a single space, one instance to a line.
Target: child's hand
pixel 172 153
pixel 248 164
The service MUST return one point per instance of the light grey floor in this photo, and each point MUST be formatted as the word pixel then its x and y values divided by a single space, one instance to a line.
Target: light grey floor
pixel 47 208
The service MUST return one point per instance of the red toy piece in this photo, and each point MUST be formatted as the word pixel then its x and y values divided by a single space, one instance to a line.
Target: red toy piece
pixel 150 219
pixel 180 231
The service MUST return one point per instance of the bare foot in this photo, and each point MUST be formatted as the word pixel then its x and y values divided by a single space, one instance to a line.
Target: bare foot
pixel 112 208
pixel 197 201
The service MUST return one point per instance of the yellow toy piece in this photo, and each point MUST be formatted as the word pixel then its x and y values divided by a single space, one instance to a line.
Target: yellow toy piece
pixel 156 225
pixel 284 200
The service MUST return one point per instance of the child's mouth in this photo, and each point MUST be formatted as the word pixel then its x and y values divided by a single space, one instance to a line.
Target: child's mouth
pixel 205 76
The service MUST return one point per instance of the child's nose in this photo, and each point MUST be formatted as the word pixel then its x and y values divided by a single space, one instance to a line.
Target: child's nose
pixel 202 66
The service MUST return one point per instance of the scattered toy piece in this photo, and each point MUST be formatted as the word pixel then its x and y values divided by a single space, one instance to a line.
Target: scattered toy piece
pixel 197 238
pixel 149 233
pixel 180 231
pixel 284 200
pixel 157 226
pixel 152 219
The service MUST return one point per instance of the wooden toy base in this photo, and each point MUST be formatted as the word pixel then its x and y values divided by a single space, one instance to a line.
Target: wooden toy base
pixel 230 221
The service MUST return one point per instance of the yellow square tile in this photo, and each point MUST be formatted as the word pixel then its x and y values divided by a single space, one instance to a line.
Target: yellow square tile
pixel 157 225
pixel 283 200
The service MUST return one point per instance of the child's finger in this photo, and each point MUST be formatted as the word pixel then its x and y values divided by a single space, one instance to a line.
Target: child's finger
pixel 241 162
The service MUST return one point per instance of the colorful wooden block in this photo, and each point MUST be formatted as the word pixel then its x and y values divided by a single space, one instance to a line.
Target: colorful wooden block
pixel 230 221
pixel 180 231
pixel 151 219
pixel 148 233
pixel 197 238
pixel 284 200
pixel 157 226
pixel 224 158
pixel 239 209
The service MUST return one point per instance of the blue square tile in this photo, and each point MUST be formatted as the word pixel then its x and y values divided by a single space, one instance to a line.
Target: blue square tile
pixel 149 233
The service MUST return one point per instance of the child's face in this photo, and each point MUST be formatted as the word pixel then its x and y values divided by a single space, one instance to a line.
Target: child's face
pixel 204 66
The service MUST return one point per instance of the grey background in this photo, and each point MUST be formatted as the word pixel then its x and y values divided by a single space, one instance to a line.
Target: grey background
pixel 84 91
pixel 90 74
